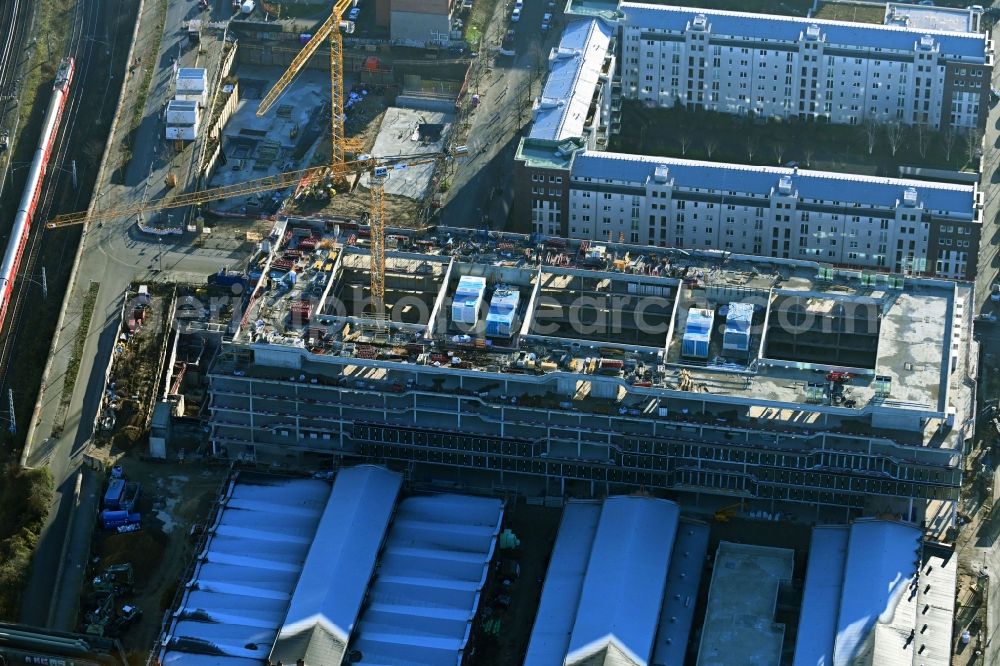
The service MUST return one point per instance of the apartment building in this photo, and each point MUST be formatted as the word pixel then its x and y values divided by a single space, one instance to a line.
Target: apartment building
pixel 883 224
pixel 810 69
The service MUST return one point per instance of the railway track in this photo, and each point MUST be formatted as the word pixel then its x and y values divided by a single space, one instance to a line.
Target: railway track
pixel 14 26
pixel 82 45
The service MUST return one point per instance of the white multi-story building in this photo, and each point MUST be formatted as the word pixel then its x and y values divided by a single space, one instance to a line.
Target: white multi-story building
pixel 791 67
pixel 886 224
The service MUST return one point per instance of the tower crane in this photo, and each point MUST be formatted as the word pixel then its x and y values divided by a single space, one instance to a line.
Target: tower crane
pixel 377 169
pixel 330 29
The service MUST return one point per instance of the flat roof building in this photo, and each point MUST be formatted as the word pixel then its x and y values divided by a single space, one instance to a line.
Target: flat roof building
pixel 740 626
pixel 852 392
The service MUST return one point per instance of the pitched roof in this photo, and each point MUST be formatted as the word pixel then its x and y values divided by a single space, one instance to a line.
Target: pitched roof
pixel 574 72
pixel 881 565
pixel 821 596
pixel 563 584
pixel 624 586
pixel 432 570
pixel 331 588
pixel 240 589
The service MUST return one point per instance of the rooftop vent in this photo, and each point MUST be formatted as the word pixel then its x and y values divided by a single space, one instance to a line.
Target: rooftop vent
pixel 662 173
pixel 926 43
pixel 910 196
pixel 785 185
pixel 812 32
pixel 566 149
pixel 564 53
pixel 700 22
pixel 549 103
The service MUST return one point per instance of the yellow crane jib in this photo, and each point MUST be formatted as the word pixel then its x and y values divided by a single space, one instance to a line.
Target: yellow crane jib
pixel 330 29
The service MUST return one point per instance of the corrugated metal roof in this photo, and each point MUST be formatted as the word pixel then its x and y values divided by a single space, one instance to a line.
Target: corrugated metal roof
pixel 761 180
pixel 623 589
pixel 574 73
pixel 788 29
pixel 240 590
pixel 880 568
pixel 334 578
pixel 563 584
pixel 680 597
pixel 432 570
pixel 821 596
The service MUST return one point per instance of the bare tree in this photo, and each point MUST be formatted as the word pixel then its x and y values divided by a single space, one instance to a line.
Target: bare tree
pixel 711 143
pixel 973 139
pixel 923 138
pixel 871 133
pixel 779 151
pixel 808 153
pixel 948 139
pixel 894 132
pixel 751 145
pixel 685 140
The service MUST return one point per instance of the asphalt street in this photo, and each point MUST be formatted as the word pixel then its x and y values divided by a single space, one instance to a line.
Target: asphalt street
pixel 481 190
pixel 113 255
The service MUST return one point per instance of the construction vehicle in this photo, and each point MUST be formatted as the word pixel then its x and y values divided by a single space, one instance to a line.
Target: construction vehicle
pixel 727 513
pixel 118 579
pixel 97 618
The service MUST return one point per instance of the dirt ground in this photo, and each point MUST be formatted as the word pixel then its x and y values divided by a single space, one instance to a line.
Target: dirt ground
pixel 174 497
pixel 536 527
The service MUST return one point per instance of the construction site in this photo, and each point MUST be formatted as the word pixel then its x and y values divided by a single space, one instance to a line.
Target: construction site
pixel 394 102
pixel 537 372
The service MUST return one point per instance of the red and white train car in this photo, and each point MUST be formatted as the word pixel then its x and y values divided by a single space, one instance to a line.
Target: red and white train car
pixel 33 187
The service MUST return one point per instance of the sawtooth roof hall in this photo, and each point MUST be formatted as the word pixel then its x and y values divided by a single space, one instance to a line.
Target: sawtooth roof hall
pixel 289 573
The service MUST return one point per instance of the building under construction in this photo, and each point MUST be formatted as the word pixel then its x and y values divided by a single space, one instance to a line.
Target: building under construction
pixel 573 369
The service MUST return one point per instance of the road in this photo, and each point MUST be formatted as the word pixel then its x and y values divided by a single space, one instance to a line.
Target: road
pixel 113 255
pixel 506 87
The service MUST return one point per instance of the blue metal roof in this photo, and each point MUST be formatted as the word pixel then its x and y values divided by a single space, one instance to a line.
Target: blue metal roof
pixel 881 563
pixel 821 597
pixel 788 29
pixel 760 180
pixel 574 73
pixel 624 585
pixel 563 584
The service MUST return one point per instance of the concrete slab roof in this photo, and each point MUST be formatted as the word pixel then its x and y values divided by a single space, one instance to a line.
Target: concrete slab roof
pixel 940 19
pixel 646 293
pixel 739 623
pixel 399 136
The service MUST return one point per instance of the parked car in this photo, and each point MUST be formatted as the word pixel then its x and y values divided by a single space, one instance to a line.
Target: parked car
pixel 515 15
pixel 354 14
pixel 546 21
